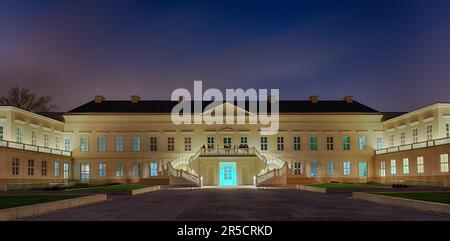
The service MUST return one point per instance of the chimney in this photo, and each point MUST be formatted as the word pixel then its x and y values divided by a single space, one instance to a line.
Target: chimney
pixel 180 98
pixel 99 99
pixel 135 98
pixel 314 98
pixel 348 99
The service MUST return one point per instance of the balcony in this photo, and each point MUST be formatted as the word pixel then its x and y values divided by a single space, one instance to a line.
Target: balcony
pixel 414 146
pixel 27 147
pixel 228 151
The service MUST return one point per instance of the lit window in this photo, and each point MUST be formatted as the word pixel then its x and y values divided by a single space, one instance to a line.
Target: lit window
pixel 84 144
pixel 347 168
pixel 187 144
pixel 429 132
pixel 153 143
pixel 170 143
pixel 102 143
pixel 84 172
pixel 405 166
pixel 19 134
pixel 154 169
pixel 46 140
pixel 119 169
pixel 362 143
pixel 379 143
pixel 43 168
pixel 119 143
pixel 102 169
pixel 415 135
pixel 66 143
pixel 314 166
pixel 15 166
pixel 383 169
pixel 402 138
pixel 34 138
pixel 330 143
pixel 137 170
pixel 298 168
pixel 313 143
pixel 263 143
pixel 391 140
pixel 296 143
pixel 393 167
pixel 444 162
pixel 66 170
pixel 136 143
pixel 330 168
pixel 30 167
pixel 280 143
pixel 363 169
pixel 420 165
pixel 56 168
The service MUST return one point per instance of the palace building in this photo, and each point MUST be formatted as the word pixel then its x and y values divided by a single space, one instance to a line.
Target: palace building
pixel 109 141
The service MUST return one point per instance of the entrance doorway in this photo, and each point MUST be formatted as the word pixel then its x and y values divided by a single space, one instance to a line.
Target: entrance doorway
pixel 227 172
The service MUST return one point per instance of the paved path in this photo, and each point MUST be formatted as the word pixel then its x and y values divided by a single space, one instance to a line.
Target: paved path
pixel 238 204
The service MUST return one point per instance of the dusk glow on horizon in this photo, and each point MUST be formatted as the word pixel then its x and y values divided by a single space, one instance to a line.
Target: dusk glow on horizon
pixel 390 55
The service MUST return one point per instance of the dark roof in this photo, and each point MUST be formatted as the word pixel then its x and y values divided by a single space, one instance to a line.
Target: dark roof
pixel 164 106
pixel 53 115
pixel 391 115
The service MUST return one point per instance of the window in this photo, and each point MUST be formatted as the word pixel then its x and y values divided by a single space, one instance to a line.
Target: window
pixel 263 143
pixel 379 142
pixel 119 143
pixel 314 166
pixel 382 169
pixel 227 142
pixel 84 144
pixel 15 166
pixel 393 167
pixel 330 168
pixel 187 144
pixel 347 168
pixel 330 143
pixel 66 143
pixel 415 135
pixel 153 143
pixel 137 170
pixel 444 162
pixel 429 131
pixel 19 134
pixel 405 166
pixel 280 143
pixel 296 143
pixel 243 140
pixel 66 170
pixel 43 168
pixel 313 143
pixel 119 170
pixel 154 169
pixel 362 143
pixel 136 143
pixel 298 168
pixel 210 142
pixel 391 140
pixel 84 172
pixel 420 165
pixel 170 143
pixel 56 168
pixel 363 169
pixel 346 143
pixel 1 133
pixel 102 143
pixel 34 138
pixel 46 140
pixel 402 138
pixel 102 169
pixel 30 167
pixel 447 130
pixel 57 142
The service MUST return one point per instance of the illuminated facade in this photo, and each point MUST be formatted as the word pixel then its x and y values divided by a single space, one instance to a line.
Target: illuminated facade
pixel 136 141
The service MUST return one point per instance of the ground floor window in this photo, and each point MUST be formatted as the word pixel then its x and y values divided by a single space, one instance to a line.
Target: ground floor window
pixel 56 168
pixel 30 167
pixel 66 170
pixel 119 170
pixel 314 166
pixel 393 167
pixel 102 169
pixel 330 168
pixel 363 169
pixel 382 169
pixel 153 169
pixel 43 168
pixel 297 168
pixel 420 165
pixel 137 170
pixel 15 166
pixel 444 162
pixel 405 166
pixel 347 168
pixel 84 172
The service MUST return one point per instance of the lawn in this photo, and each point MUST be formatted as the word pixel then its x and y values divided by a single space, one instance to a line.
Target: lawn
pixel 348 185
pixel 118 187
pixel 10 201
pixel 439 197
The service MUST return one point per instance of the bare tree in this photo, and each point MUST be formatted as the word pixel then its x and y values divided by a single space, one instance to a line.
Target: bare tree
pixel 22 98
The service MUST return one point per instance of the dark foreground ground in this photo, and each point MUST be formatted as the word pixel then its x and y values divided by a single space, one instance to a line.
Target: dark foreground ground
pixel 238 204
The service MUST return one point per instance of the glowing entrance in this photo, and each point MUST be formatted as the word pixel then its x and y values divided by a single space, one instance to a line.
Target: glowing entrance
pixel 227 174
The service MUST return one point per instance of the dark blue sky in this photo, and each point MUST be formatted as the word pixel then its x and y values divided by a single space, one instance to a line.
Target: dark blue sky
pixel 391 55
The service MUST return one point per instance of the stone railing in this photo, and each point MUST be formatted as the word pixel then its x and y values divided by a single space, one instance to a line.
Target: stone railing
pixel 28 147
pixel 436 142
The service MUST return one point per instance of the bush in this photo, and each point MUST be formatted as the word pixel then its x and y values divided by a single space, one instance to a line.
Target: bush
pixel 399 186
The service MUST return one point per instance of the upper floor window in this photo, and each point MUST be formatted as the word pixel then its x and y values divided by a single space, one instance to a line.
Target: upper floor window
pixel 19 134
pixel 379 142
pixel 346 143
pixel 66 143
pixel 363 169
pixel 263 143
pixel 136 143
pixel 119 143
pixel 420 165
pixel 382 169
pixel 34 137
pixel 405 166
pixel 84 144
pixel 330 168
pixel 296 143
pixel 43 168
pixel 153 143
pixel 447 129
pixel 15 166
pixel 313 143
pixel 243 140
pixel 102 143
pixel 415 135
pixel 429 131
pixel 102 169
pixel 393 167
pixel 391 140
pixel 46 139
pixel 187 144
pixel 444 162
pixel 57 142
pixel 362 143
pixel 171 143
pixel 226 142
pixel 297 168
pixel 402 138
pixel 1 133
pixel 347 168
pixel 280 143
pixel 210 142
pixel 30 167
pixel 330 143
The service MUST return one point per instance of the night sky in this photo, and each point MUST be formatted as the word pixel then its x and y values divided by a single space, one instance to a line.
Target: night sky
pixel 391 55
